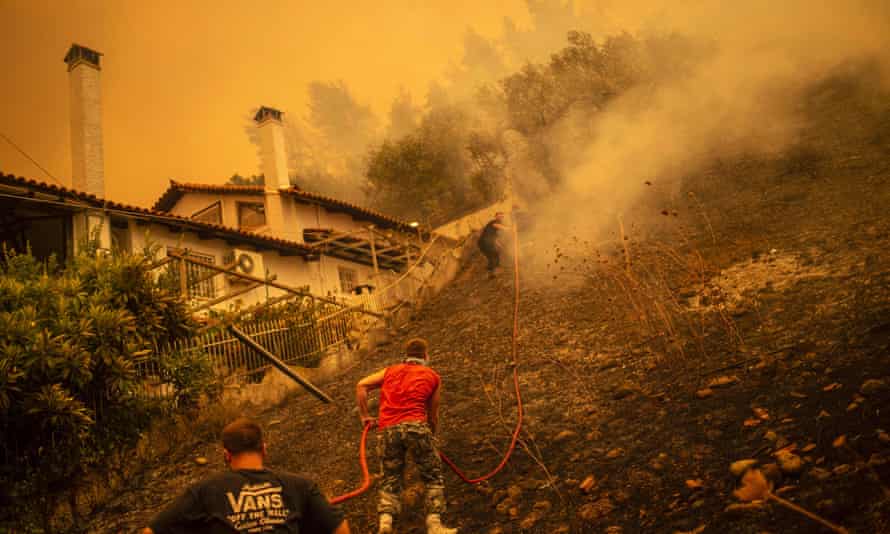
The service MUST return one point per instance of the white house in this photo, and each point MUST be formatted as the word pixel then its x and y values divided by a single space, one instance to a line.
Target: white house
pixel 302 239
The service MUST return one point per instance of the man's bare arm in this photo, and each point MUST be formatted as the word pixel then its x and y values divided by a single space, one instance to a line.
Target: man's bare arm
pixel 365 385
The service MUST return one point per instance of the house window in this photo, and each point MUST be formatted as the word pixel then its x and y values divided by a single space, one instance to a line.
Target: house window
pixel 251 215
pixel 198 278
pixel 348 279
pixel 120 235
pixel 211 214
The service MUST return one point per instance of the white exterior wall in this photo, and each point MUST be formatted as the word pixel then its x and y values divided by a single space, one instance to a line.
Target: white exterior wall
pixel 297 215
pixel 190 203
pixel 327 275
pixel 143 234
pixel 289 270
pixel 315 216
pixel 322 276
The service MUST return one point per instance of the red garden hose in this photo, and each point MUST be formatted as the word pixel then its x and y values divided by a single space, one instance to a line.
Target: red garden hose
pixel 515 437
pixel 515 364
pixel 366 482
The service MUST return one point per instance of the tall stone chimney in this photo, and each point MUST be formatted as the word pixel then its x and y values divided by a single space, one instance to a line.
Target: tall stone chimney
pixel 280 216
pixel 88 173
pixel 272 148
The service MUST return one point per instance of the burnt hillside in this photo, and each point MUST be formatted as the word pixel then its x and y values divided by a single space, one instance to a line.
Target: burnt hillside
pixel 754 318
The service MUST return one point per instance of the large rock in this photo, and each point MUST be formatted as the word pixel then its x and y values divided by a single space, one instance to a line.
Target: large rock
pixel 588 484
pixel 565 435
pixel 624 390
pixel 789 462
pixel 873 387
pixel 542 507
pixel 529 521
pixel 596 510
pixel 615 453
pixel 739 467
pixel 723 381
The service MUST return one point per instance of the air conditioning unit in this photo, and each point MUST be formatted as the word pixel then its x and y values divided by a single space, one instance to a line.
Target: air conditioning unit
pixel 246 262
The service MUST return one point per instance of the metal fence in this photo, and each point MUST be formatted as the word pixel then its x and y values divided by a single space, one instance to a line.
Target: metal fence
pixel 302 343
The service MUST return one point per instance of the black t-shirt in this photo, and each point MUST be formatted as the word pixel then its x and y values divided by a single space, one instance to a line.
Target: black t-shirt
pixel 490 232
pixel 250 502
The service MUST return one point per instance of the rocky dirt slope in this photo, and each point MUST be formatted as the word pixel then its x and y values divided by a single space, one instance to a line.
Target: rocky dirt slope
pixel 753 325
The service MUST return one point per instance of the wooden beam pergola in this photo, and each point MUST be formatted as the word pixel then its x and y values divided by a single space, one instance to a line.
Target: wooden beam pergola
pixel 368 246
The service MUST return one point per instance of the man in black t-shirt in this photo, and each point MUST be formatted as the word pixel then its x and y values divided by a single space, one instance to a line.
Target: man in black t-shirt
pixel 249 499
pixel 489 243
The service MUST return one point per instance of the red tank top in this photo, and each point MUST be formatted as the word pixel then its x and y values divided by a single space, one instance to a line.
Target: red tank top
pixel 404 393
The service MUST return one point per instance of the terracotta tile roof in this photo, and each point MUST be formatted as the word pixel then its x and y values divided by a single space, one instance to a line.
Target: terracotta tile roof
pixel 160 216
pixel 177 189
pixel 382 220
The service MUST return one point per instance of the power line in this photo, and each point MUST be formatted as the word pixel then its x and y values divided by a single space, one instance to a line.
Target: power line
pixel 32 160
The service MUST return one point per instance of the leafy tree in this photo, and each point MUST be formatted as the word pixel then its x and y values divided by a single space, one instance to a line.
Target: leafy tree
pixel 488 162
pixel 579 81
pixel 404 116
pixel 253 179
pixel 345 123
pixel 69 345
pixel 442 169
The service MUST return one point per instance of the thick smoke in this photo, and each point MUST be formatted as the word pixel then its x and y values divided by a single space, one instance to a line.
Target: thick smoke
pixel 739 97
pixel 745 65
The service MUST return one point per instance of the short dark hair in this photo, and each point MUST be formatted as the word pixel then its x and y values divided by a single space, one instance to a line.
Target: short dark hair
pixel 242 435
pixel 416 348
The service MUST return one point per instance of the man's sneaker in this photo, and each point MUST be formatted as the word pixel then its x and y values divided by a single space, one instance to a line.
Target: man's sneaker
pixel 434 525
pixel 385 524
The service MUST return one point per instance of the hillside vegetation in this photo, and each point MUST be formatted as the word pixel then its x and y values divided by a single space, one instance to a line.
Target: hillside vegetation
pixel 751 323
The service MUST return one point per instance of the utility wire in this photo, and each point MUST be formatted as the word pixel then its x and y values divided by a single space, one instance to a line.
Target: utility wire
pixel 32 160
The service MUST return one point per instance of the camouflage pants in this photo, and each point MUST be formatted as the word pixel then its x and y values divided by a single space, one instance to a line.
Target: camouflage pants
pixel 393 446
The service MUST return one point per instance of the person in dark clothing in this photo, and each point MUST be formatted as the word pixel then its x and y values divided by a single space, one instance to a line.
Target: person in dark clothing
pixel 489 243
pixel 249 498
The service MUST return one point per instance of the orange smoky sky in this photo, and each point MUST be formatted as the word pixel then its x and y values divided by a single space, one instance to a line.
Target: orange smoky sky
pixel 180 76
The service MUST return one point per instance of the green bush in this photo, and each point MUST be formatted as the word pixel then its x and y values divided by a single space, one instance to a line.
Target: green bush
pixel 70 337
pixel 191 375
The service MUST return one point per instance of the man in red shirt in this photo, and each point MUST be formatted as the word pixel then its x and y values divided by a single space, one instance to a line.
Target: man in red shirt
pixel 408 416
